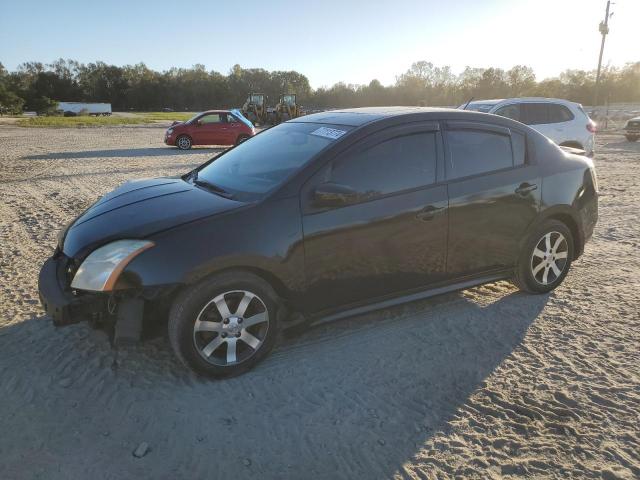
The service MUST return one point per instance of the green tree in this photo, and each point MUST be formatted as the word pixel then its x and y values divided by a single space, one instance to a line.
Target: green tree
pixel 9 101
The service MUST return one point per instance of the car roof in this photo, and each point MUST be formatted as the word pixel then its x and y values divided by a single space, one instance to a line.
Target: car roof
pixel 493 101
pixel 355 117
pixel 522 99
pixel 215 111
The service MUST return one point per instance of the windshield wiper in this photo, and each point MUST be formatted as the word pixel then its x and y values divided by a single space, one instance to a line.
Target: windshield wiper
pixel 212 187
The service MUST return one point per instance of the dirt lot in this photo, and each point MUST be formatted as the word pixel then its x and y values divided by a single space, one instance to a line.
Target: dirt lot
pixel 485 383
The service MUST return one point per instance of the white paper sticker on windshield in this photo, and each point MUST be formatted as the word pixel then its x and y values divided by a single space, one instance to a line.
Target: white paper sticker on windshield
pixel 332 133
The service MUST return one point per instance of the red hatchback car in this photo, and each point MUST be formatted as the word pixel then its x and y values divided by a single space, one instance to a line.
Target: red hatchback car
pixel 214 127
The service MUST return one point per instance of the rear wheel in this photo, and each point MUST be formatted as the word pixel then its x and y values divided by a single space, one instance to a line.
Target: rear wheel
pixel 241 138
pixel 224 325
pixel 183 142
pixel 572 145
pixel 632 138
pixel 545 259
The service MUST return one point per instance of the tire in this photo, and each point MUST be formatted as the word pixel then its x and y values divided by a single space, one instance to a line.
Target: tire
pixel 183 142
pixel 543 265
pixel 632 138
pixel 212 341
pixel 241 138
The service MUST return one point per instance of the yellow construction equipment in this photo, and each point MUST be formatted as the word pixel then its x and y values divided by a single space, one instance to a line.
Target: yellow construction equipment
pixel 287 108
pixel 254 108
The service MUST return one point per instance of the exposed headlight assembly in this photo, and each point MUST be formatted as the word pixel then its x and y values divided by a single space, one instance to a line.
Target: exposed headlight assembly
pixel 100 270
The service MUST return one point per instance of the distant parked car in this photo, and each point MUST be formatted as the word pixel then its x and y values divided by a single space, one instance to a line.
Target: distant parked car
pixel 214 127
pixel 564 122
pixel 633 129
pixel 323 216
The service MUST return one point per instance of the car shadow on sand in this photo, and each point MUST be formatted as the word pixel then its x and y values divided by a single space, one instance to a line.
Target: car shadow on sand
pixel 124 153
pixel 351 399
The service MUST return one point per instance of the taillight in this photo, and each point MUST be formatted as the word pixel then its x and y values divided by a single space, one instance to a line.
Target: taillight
pixel 591 126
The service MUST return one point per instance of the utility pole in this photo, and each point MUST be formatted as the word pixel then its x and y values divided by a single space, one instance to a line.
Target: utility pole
pixel 604 30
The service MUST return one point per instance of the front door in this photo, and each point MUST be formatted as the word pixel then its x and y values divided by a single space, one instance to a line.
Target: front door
pixel 209 130
pixel 391 237
pixel 494 195
pixel 232 129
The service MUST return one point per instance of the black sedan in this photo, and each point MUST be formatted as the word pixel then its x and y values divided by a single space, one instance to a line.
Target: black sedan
pixel 324 216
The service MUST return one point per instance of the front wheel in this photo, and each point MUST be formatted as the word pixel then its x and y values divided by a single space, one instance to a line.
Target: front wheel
pixel 224 325
pixel 545 259
pixel 183 142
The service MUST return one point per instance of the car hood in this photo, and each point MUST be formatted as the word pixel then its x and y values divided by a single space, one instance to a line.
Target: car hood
pixel 139 209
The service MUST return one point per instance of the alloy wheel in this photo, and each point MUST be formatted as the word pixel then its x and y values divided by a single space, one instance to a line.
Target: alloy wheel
pixel 184 143
pixel 231 328
pixel 549 258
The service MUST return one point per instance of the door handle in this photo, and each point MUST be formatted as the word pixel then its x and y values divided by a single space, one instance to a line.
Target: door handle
pixel 429 212
pixel 525 188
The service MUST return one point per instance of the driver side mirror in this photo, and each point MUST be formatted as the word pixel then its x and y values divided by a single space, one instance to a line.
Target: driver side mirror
pixel 334 195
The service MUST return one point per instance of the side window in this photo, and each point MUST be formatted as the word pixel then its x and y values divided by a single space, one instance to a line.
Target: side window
pixel 534 113
pixel 231 118
pixel 474 151
pixel 510 111
pixel 519 143
pixel 393 165
pixel 211 118
pixel 559 113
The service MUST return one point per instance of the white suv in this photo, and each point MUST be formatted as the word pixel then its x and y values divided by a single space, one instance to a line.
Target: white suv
pixel 564 122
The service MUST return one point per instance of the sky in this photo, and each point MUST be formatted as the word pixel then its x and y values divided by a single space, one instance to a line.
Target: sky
pixel 329 41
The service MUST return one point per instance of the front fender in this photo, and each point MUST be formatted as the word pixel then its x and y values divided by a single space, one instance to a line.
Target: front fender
pixel 265 237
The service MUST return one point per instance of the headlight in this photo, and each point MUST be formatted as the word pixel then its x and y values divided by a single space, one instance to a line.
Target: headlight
pixel 101 269
pixel 170 131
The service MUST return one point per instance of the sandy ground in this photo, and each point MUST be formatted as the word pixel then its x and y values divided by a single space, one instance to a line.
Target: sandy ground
pixel 486 383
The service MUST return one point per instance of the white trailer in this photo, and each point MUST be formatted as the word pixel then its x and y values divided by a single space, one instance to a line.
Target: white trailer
pixel 81 108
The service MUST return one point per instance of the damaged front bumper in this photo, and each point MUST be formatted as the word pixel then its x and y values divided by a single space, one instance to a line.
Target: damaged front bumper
pixel 62 304
pixel 124 310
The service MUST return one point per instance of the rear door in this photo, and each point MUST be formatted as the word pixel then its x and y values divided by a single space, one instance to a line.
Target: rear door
pixel 392 237
pixel 494 195
pixel 536 114
pixel 561 121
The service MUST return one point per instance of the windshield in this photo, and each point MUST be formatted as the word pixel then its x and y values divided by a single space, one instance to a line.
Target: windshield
pixel 479 107
pixel 262 163
pixel 257 99
pixel 193 118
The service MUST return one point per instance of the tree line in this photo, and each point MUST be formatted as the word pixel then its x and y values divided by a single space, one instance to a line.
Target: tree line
pixel 35 86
